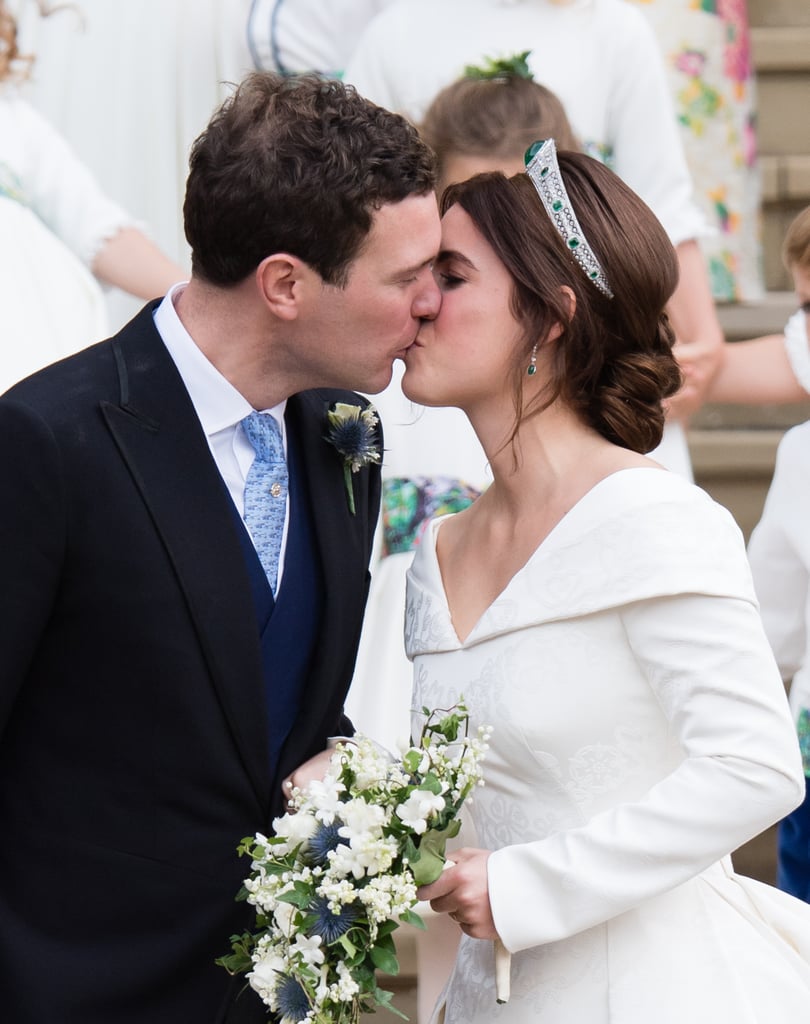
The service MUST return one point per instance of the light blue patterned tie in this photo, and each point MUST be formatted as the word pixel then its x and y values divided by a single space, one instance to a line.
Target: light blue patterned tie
pixel 266 491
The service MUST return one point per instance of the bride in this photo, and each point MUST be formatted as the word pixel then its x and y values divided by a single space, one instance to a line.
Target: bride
pixel 598 611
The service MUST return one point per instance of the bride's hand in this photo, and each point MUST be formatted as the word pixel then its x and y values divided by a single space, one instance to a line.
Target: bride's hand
pixel 462 891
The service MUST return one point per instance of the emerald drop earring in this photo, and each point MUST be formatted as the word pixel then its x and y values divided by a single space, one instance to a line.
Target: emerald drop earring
pixel 533 363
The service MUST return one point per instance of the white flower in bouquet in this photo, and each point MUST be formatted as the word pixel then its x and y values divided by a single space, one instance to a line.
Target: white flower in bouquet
pixel 341 872
pixel 417 810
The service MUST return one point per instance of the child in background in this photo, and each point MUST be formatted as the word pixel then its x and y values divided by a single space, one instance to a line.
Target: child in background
pixel 779 552
pixel 61 235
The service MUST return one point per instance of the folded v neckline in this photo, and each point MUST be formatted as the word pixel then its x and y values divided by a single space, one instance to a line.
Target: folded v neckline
pixel 560 527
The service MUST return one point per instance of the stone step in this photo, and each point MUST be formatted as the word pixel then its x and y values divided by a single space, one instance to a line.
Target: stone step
pixel 735 467
pixel 781 48
pixel 783 102
pixel 755 319
pixel 786 177
pixel 790 13
pixel 781 58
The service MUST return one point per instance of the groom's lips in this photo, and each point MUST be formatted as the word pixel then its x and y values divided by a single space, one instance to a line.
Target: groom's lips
pixel 405 350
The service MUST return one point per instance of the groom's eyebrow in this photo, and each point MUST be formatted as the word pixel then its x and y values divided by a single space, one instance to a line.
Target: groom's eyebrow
pixel 421 266
pixel 414 270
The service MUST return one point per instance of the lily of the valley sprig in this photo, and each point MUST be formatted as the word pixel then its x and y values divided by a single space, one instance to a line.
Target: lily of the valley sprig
pixel 353 431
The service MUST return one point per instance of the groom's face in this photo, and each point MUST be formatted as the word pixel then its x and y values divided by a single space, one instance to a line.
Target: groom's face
pixel 362 328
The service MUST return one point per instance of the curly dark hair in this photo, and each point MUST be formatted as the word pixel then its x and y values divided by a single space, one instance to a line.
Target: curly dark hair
pixel 613 363
pixel 296 165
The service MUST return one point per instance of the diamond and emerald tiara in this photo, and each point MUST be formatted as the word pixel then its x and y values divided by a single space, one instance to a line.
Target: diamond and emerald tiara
pixel 543 169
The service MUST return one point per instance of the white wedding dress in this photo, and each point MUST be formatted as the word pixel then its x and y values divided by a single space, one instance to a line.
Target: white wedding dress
pixel 641 733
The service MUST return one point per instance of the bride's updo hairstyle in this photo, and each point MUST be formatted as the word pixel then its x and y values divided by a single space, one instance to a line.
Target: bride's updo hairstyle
pixel 613 363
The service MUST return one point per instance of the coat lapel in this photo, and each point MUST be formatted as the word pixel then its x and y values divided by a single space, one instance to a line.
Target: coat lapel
pixel 343 542
pixel 160 438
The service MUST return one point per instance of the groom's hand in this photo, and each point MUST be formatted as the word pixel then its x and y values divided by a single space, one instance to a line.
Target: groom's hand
pixel 462 891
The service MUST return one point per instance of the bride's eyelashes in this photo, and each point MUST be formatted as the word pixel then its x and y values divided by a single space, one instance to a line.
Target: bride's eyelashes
pixel 447 281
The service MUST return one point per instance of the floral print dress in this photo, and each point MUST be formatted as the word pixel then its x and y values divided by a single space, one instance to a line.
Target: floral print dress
pixel 706 46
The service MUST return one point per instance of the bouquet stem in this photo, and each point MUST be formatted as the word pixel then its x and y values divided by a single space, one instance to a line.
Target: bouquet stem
pixel 503 966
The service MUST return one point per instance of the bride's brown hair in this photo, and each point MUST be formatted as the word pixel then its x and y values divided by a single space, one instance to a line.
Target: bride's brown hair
pixel 613 363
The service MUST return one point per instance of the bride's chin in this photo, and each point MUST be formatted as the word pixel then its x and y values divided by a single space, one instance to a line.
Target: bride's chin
pixel 411 389
pixel 423 389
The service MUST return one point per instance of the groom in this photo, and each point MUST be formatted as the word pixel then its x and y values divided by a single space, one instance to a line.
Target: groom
pixel 166 661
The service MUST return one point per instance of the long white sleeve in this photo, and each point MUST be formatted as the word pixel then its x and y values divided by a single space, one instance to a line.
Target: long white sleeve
pixel 709 665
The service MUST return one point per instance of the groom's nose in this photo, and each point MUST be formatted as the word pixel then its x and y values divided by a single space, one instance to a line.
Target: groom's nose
pixel 429 300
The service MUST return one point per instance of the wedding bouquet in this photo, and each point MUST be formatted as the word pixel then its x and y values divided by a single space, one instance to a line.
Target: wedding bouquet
pixel 341 872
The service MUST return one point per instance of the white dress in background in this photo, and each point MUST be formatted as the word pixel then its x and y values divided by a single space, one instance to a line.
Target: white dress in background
pixel 307 35
pixel 53 220
pixel 600 57
pixel 51 305
pixel 641 732
pixel 130 86
pixel 779 552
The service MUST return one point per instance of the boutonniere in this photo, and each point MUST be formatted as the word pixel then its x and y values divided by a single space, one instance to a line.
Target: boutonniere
pixel 353 431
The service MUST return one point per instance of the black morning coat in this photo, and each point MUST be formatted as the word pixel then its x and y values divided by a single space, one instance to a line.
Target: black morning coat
pixel 133 717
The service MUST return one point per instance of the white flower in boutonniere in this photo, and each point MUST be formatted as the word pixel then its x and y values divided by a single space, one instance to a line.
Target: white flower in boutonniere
pixel 353 431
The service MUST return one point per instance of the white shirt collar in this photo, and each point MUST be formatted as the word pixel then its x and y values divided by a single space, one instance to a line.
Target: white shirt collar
pixel 218 404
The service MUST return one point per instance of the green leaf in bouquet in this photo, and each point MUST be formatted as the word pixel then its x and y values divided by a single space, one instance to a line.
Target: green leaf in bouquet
pixel 239 960
pixel 413 919
pixel 387 928
pixel 363 974
pixel 383 998
pixel 276 868
pixel 430 858
pixel 299 896
pixel 246 846
pixel 449 727
pixel 384 959
pixel 411 761
pixel 348 945
pixel 431 783
pixel 409 850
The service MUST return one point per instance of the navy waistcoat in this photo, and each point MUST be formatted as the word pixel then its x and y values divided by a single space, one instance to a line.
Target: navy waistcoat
pixel 287 627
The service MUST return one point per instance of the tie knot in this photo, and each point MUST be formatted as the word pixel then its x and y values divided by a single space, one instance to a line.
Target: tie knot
pixel 264 434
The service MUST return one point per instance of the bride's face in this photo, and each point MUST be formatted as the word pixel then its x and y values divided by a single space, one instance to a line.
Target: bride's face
pixel 464 356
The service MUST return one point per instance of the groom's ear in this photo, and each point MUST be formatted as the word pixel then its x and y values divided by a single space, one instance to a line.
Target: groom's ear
pixel 281 280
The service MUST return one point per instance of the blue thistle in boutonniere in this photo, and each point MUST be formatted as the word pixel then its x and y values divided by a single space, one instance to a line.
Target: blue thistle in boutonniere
pixel 353 431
